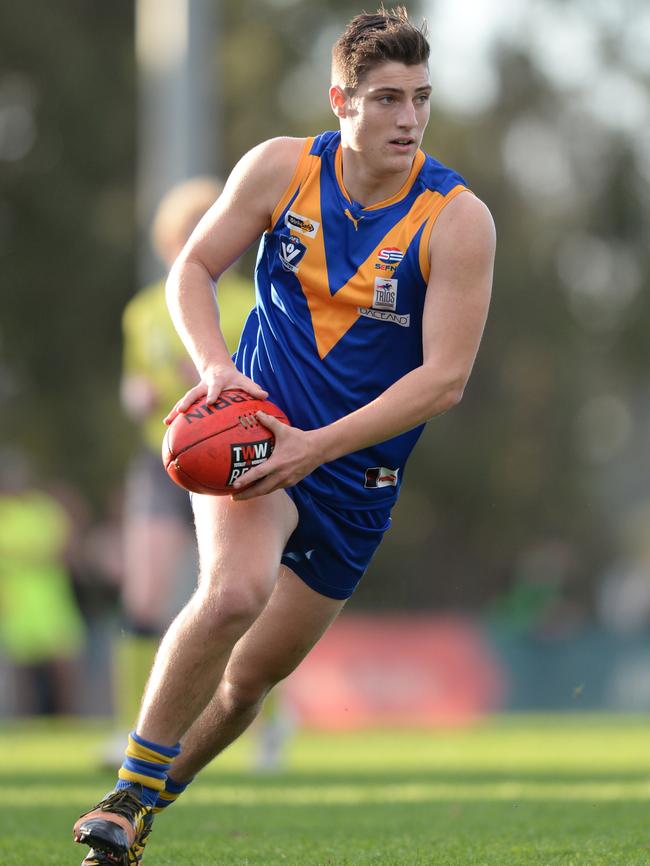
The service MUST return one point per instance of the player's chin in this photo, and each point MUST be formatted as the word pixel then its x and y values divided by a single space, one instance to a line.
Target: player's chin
pixel 399 158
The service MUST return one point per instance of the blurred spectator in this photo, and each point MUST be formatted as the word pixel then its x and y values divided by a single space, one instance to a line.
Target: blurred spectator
pixel 41 629
pixel 537 603
pixel 159 545
pixel 623 599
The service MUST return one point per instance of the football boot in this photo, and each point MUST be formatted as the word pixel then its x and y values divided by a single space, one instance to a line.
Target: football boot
pixel 116 829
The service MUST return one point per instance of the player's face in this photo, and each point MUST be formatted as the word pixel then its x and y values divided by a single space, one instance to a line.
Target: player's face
pixel 385 118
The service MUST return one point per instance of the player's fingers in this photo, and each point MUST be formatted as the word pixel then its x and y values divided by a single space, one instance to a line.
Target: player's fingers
pixel 270 422
pixel 256 488
pixel 185 402
pixel 251 477
pixel 212 393
pixel 192 396
pixel 170 416
pixel 254 390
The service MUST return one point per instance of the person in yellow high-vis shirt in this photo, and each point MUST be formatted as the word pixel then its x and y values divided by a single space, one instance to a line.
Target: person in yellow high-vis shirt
pixel 158 529
pixel 41 629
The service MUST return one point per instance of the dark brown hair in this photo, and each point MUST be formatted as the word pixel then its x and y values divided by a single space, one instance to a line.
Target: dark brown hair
pixel 371 39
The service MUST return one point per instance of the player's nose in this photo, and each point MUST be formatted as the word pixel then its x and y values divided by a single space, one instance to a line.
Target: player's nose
pixel 407 117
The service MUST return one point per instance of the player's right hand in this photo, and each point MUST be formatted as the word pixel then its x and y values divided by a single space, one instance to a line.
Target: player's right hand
pixel 213 382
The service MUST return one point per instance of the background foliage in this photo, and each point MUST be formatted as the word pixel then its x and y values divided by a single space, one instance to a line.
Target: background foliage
pixel 542 470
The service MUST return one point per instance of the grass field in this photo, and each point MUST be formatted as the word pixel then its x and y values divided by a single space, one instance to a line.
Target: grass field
pixel 525 791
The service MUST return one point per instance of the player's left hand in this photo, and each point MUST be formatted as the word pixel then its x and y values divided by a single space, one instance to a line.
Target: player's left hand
pixel 293 457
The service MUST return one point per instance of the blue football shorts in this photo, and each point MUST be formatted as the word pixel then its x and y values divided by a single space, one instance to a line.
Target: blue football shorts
pixel 331 547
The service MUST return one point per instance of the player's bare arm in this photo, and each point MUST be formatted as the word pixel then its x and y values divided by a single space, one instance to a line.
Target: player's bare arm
pixel 237 219
pixel 461 249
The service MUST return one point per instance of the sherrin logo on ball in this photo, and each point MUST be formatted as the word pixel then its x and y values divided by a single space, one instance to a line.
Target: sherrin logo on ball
pixel 210 445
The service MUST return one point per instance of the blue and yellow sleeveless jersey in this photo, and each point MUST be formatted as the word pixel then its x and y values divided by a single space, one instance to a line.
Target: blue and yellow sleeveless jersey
pixel 339 297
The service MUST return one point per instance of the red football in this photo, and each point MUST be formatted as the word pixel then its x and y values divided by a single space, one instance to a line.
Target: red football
pixel 209 446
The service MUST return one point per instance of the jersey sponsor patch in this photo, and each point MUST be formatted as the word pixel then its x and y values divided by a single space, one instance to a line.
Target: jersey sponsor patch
pixel 385 297
pixel 390 255
pixel 297 223
pixel 245 455
pixel 389 259
pixel 401 319
pixel 380 476
pixel 291 252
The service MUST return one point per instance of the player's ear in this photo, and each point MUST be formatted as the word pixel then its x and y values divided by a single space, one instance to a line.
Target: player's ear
pixel 338 100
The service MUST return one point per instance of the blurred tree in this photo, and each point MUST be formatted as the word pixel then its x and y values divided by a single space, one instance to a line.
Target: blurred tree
pixel 66 232
pixel 546 447
pixel 536 454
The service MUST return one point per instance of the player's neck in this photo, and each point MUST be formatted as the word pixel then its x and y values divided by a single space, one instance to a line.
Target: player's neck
pixel 366 186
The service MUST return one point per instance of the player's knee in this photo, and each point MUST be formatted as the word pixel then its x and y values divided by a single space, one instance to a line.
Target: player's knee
pixel 232 608
pixel 240 695
pixel 248 683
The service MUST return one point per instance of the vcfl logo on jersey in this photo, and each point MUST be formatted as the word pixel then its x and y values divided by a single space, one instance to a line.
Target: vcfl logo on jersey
pixel 385 294
pixel 291 252
pixel 246 455
pixel 379 476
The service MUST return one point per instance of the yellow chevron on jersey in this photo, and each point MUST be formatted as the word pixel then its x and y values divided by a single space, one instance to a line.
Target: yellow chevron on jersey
pixel 333 315
pixel 340 296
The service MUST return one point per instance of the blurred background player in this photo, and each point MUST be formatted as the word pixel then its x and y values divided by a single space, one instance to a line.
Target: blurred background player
pixel 42 632
pixel 159 547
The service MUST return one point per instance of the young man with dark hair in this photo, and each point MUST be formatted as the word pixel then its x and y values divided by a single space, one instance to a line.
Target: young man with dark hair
pixel 373 284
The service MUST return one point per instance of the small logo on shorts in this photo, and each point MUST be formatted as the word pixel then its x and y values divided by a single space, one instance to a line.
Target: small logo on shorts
pixel 291 252
pixel 296 222
pixel 379 476
pixel 246 455
pixel 297 556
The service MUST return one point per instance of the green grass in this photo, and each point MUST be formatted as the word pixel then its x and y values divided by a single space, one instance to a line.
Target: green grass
pixel 525 791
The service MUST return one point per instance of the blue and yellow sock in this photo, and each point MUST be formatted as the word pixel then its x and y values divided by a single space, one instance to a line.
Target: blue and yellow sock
pixel 146 764
pixel 170 794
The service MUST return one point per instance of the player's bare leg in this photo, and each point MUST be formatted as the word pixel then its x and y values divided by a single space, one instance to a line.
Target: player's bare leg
pixel 240 546
pixel 292 622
